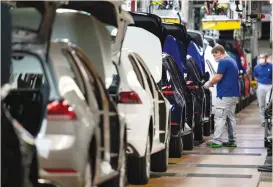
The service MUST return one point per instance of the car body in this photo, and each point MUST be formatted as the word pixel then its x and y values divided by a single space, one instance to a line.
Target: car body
pixel 85 138
pixel 182 102
pixel 146 62
pixel 28 97
pixel 152 23
pixel 192 72
pixel 211 40
pixel 180 97
pixel 211 66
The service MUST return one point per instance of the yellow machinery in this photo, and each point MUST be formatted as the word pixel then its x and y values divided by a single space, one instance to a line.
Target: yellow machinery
pixel 170 20
pixel 216 23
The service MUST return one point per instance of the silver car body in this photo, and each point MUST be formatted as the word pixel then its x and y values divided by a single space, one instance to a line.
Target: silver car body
pixel 65 144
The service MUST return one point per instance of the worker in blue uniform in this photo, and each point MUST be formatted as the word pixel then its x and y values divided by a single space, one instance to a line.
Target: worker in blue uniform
pixel 227 80
pixel 263 75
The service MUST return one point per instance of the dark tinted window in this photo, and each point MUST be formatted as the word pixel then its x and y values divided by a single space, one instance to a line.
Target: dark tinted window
pixel 211 42
pixel 196 38
pixel 113 89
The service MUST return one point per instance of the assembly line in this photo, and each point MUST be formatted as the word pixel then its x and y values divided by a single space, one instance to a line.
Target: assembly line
pixel 94 95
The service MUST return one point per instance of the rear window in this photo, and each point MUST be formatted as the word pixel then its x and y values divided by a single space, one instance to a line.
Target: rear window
pixel 211 41
pixel 26 72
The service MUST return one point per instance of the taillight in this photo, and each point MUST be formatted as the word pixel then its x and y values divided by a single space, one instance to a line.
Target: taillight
pixel 60 111
pixel 129 97
pixel 167 91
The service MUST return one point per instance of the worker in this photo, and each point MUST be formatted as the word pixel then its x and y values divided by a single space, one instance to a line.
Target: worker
pixel 263 75
pixel 227 80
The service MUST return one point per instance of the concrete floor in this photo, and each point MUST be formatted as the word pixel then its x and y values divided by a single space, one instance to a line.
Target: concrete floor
pixel 222 167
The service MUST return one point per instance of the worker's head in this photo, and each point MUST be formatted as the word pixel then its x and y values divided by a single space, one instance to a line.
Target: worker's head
pixel 218 52
pixel 262 59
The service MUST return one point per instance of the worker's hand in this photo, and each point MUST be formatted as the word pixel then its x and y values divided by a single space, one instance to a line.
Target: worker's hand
pixel 207 85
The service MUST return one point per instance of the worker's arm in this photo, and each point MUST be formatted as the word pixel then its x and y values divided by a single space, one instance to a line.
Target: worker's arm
pixel 220 72
pixel 215 79
pixel 255 74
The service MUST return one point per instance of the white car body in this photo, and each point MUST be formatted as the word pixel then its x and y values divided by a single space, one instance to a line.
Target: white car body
pixel 210 65
pixel 148 47
pixel 147 119
pixel 137 128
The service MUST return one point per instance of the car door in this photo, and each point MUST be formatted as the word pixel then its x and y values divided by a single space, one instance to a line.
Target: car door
pixel 144 81
pixel 159 106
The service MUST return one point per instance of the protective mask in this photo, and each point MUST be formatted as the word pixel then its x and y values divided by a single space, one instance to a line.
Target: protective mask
pixel 261 61
pixel 216 59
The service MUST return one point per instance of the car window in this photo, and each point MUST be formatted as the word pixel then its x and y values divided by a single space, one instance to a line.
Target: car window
pixel 74 71
pixel 211 42
pixel 210 67
pixel 136 70
pixel 150 80
pixel 94 83
pixel 26 72
pixel 168 76
pixel 174 68
pixel 164 79
pixel 197 38
pixel 113 89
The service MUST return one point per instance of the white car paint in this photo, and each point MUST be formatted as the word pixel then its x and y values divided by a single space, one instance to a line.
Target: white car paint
pixel 210 65
pixel 137 127
pixel 148 46
pixel 69 29
pixel 148 52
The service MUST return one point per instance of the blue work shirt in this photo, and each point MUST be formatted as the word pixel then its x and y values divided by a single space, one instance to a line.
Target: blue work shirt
pixel 263 73
pixel 228 86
